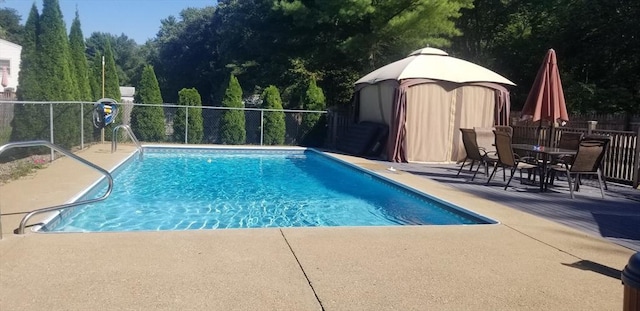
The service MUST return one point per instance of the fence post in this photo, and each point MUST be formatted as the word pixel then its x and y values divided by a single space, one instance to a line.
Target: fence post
pixel 186 125
pixel 591 125
pixel 81 126
pixel 334 128
pixel 51 128
pixel 261 126
pixel 636 162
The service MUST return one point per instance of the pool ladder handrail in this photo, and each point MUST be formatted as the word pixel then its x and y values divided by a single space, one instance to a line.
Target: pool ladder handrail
pixel 114 139
pixel 36 143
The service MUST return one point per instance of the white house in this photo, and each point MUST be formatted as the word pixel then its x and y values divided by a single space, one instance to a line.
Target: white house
pixel 9 66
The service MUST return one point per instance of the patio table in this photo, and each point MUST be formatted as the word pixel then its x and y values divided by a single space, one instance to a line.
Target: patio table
pixel 545 153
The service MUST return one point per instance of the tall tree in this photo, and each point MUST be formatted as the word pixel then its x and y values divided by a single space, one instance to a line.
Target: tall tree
pixel 79 65
pixel 600 54
pixel 337 40
pixel 30 121
pixel 95 76
pixel 312 127
pixel 80 70
pixel 147 122
pixel 232 123
pixel 128 56
pixel 111 80
pixel 274 125
pixel 187 42
pixel 53 53
pixel 111 87
pixel 10 28
pixel 28 79
pixel 56 80
pixel 192 113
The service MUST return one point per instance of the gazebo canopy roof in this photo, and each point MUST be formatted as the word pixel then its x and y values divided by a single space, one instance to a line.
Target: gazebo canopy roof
pixel 436 64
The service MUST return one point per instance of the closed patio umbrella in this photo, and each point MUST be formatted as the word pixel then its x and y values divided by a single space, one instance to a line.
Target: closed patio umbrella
pixel 5 77
pixel 545 101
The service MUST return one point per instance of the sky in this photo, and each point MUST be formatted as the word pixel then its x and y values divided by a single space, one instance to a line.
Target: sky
pixel 137 19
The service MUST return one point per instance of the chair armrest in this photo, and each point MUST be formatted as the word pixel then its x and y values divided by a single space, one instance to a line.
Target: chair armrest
pixel 527 159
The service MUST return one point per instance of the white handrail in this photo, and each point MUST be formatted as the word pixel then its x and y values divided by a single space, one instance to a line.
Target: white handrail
pixel 35 143
pixel 114 138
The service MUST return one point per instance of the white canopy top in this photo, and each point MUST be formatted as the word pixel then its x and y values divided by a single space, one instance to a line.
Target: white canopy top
pixel 430 63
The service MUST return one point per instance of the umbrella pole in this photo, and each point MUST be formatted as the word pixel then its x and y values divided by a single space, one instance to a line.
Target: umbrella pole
pixel 552 133
pixel 539 133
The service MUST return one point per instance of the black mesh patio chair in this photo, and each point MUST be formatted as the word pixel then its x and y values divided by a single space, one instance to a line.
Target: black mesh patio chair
pixel 504 128
pixel 507 159
pixel 474 153
pixel 587 161
pixel 570 141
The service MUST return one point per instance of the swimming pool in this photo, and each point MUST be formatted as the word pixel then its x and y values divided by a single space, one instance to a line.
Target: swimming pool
pixel 217 188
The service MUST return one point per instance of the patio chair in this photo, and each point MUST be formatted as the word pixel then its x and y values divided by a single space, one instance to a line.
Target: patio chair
pixel 486 140
pixel 568 140
pixel 474 153
pixel 504 128
pixel 507 159
pixel 588 161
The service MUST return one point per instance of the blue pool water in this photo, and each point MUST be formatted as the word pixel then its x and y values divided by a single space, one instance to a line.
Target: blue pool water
pixel 183 189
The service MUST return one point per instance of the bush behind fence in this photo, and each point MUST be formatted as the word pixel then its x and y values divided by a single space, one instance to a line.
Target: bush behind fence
pixel 86 133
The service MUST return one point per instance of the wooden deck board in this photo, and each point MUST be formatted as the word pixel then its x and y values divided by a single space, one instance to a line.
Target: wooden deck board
pixel 616 218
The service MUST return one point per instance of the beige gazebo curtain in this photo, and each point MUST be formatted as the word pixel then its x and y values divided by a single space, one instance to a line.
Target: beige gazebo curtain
pixel 424 115
pixel 430 114
pixel 434 115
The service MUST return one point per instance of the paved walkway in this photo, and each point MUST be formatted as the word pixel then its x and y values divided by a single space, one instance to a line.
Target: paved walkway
pixel 524 263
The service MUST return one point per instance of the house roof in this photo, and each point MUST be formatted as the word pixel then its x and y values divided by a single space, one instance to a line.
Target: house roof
pixel 11 44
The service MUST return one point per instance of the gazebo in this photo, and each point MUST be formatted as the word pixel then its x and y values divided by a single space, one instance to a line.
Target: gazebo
pixel 425 98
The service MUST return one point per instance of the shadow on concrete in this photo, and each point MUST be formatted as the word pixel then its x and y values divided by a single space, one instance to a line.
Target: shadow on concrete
pixel 589 265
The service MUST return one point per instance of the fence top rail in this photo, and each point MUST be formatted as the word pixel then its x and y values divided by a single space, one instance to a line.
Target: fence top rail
pixel 164 105
pixel 576 129
pixel 615 132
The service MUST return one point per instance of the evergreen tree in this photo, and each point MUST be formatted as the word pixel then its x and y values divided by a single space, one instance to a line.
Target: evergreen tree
pixel 54 73
pixel 274 126
pixel 80 70
pixel 53 54
pixel 232 123
pixel 111 87
pixel 79 65
pixel 30 121
pixel 188 97
pixel 29 87
pixel 312 127
pixel 147 122
pixel 95 77
pixel 111 80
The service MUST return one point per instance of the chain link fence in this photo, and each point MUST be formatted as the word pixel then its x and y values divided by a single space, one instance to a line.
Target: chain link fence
pixel 71 123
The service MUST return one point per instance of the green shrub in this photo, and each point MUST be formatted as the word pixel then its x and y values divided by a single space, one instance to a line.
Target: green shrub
pixel 232 123
pixel 112 88
pixel 313 127
pixel 274 126
pixel 147 122
pixel 188 97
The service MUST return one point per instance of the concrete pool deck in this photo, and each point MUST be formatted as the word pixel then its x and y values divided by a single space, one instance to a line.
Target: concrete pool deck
pixel 523 263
